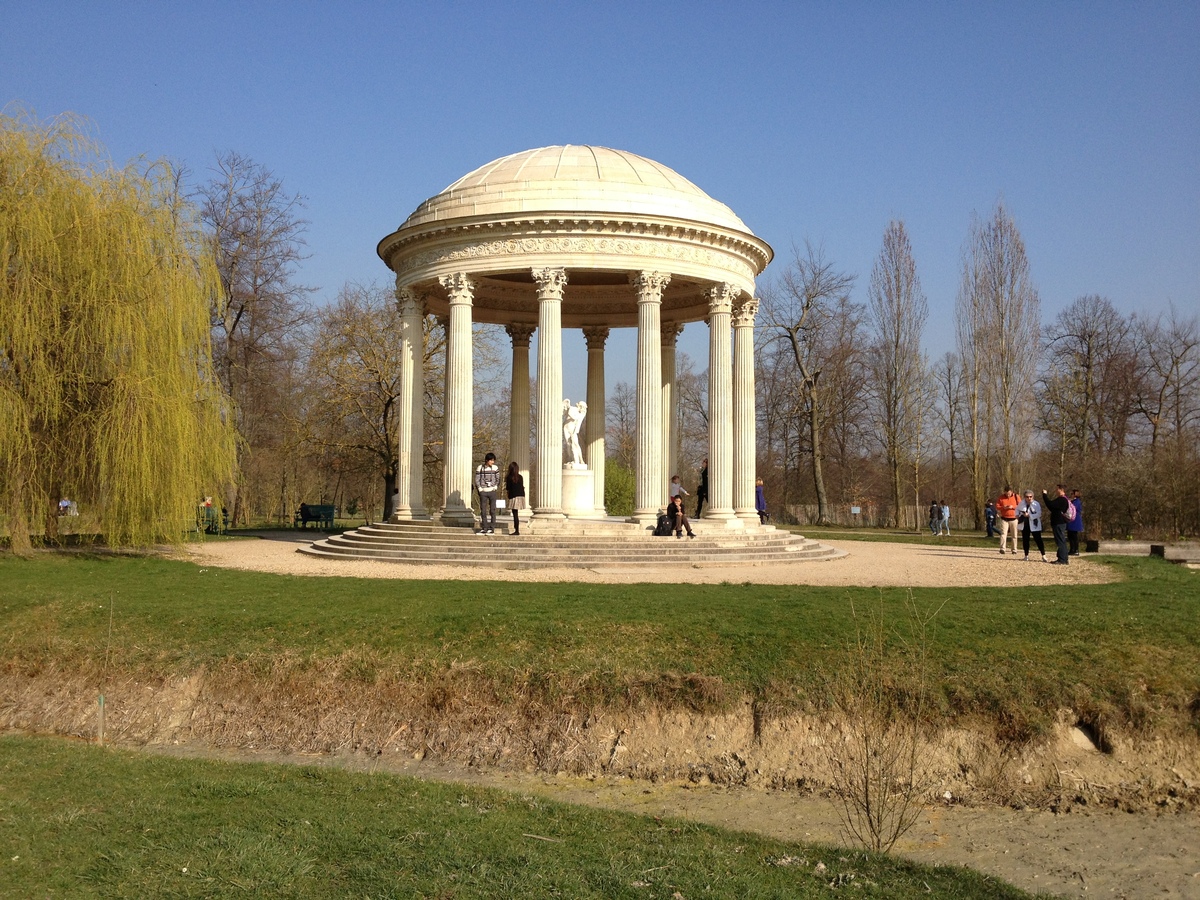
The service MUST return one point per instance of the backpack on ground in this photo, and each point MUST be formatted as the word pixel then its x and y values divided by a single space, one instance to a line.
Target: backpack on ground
pixel 663 528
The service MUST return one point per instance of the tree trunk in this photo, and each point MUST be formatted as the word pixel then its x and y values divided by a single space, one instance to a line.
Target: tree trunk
pixel 814 426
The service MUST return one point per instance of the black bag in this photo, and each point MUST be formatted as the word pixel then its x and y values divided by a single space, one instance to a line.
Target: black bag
pixel 663 529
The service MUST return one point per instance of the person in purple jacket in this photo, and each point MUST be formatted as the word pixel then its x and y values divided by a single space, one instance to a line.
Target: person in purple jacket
pixel 1075 527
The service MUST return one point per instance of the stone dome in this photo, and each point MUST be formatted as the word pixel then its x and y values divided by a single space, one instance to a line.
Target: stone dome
pixel 600 214
pixel 574 180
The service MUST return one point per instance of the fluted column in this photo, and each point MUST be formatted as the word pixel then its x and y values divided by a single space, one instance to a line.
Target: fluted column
pixel 745 460
pixel 459 401
pixel 670 405
pixel 518 428
pixel 594 425
pixel 410 457
pixel 648 462
pixel 720 403
pixel 548 496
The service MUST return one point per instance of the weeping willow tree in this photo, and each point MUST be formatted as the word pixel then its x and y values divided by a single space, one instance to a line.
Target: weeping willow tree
pixel 107 394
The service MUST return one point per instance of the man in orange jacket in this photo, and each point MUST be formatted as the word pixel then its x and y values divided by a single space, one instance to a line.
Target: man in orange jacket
pixel 1006 516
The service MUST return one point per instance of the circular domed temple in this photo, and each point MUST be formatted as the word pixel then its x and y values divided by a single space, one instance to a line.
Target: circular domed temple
pixel 589 238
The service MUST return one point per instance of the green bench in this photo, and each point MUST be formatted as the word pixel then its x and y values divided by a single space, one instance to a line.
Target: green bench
pixel 321 514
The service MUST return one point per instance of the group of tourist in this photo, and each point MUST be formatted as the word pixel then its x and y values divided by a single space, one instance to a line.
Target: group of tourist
pixel 939 518
pixel 1011 513
pixel 487 488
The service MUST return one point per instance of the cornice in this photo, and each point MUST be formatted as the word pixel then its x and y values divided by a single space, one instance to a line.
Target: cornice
pixel 507 235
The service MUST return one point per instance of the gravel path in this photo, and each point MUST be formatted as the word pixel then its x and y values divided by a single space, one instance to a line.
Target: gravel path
pixel 866 563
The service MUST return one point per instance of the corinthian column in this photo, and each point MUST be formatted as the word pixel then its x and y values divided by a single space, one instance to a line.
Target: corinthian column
pixel 518 423
pixel 594 425
pixel 459 401
pixel 548 497
pixel 745 461
pixel 410 457
pixel 720 406
pixel 670 404
pixel 648 478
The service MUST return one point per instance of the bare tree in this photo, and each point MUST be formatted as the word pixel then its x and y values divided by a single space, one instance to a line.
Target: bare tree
pixel 1090 383
pixel 621 417
pixel 1169 394
pixel 798 310
pixel 997 327
pixel 257 237
pixel 354 378
pixel 947 406
pixel 898 311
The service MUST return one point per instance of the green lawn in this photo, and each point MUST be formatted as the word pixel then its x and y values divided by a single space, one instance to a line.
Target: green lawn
pixel 1123 653
pixel 82 821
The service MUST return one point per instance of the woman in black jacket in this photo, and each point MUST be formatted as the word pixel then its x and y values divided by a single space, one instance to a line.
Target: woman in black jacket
pixel 514 487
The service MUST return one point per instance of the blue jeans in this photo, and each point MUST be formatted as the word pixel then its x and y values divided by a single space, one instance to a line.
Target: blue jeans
pixel 1060 542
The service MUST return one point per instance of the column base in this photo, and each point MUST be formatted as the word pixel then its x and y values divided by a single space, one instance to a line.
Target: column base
pixel 458 517
pixel 723 518
pixel 411 515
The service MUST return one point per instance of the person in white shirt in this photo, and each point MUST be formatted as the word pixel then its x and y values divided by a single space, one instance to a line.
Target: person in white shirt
pixel 677 488
pixel 1029 516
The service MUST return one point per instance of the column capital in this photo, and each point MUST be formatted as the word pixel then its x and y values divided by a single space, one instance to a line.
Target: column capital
pixel 744 312
pixel 460 287
pixel 650 285
pixel 550 283
pixel 410 302
pixel 670 332
pixel 720 298
pixel 596 336
pixel 520 334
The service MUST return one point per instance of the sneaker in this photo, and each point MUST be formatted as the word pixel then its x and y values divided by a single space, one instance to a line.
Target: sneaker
pixel 679 536
pixel 691 536
pixel 1001 551
pixel 1014 553
pixel 1025 558
pixel 1044 558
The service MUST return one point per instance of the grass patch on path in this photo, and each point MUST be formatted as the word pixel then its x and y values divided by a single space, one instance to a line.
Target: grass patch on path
pixel 82 821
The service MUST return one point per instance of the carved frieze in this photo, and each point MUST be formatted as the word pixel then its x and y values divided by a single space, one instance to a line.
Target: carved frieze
pixel 612 246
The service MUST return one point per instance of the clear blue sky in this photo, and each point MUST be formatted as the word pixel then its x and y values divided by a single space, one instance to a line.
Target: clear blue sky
pixel 818 121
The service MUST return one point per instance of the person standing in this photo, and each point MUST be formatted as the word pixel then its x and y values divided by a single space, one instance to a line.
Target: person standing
pixel 514 487
pixel 989 516
pixel 1006 509
pixel 760 501
pixel 1058 522
pixel 945 518
pixel 676 488
pixel 487 485
pixel 702 489
pixel 1075 526
pixel 935 517
pixel 1029 514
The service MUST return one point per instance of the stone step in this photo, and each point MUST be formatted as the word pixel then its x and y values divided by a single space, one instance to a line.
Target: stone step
pixel 588 544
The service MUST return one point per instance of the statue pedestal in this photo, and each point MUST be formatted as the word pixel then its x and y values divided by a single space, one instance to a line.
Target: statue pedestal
pixel 578 493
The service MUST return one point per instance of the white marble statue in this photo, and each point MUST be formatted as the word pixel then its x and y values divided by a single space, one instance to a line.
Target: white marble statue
pixel 571 429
